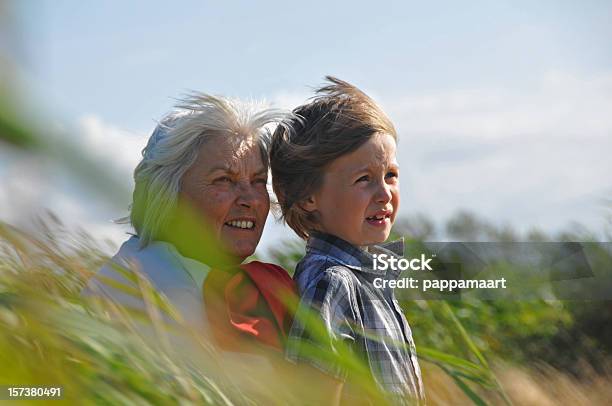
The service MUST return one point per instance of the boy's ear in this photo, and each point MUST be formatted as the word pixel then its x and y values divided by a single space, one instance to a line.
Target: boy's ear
pixel 309 204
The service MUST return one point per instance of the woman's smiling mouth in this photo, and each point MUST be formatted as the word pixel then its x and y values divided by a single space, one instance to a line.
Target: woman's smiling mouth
pixel 241 224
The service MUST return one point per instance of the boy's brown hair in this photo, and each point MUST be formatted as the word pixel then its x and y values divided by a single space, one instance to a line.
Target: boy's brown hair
pixel 338 120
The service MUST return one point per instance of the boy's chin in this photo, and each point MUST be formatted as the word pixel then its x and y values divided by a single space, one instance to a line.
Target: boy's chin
pixel 375 238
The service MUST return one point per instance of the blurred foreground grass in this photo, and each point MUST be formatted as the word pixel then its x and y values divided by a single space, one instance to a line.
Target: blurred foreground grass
pixel 50 335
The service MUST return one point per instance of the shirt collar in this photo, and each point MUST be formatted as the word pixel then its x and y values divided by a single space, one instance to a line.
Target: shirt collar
pixel 195 269
pixel 353 257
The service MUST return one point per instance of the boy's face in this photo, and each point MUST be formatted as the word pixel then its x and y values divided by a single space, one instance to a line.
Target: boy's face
pixel 359 198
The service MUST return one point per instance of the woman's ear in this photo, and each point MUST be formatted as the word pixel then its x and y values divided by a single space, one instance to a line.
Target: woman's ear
pixel 309 204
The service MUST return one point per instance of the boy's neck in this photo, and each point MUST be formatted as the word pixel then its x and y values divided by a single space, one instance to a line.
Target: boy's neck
pixel 319 234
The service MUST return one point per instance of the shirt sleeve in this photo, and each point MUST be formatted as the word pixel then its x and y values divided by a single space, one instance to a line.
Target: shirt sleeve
pixel 323 330
pixel 110 283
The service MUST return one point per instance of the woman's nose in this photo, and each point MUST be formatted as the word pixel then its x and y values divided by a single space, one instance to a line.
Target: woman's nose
pixel 246 194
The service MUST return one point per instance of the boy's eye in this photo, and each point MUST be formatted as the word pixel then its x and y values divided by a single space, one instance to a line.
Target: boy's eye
pixel 391 174
pixel 261 181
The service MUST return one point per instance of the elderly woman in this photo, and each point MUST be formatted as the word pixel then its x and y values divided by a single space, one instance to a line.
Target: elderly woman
pixel 199 207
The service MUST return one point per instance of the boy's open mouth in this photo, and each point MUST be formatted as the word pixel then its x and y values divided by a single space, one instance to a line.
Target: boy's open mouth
pixel 379 218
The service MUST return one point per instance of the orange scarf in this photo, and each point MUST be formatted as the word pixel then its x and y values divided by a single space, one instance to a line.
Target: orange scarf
pixel 249 307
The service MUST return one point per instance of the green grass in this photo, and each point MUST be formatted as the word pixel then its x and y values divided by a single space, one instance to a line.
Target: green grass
pixel 104 353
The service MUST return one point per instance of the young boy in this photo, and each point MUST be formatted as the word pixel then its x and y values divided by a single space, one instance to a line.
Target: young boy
pixel 336 178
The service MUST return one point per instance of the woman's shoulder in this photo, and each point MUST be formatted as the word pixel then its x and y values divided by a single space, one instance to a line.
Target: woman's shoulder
pixel 263 272
pixel 156 262
pixel 267 269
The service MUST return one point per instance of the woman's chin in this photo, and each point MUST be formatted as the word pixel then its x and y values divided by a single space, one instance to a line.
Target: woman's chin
pixel 242 249
pixel 239 243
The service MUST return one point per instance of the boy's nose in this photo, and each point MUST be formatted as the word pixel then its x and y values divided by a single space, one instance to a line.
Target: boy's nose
pixel 383 194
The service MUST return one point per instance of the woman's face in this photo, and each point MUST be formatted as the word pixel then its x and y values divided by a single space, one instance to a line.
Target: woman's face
pixel 227 185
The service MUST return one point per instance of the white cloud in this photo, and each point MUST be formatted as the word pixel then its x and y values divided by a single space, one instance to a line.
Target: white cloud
pixel 21 186
pixel 561 105
pixel 33 186
pixel 119 148
pixel 530 157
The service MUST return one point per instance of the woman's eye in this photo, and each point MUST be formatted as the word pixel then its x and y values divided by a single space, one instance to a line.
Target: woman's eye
pixel 364 178
pixel 261 181
pixel 223 179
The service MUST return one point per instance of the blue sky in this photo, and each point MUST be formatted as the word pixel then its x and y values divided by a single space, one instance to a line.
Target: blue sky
pixel 502 107
pixel 123 60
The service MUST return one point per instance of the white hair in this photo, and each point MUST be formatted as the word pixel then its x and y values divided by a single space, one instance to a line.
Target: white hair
pixel 175 144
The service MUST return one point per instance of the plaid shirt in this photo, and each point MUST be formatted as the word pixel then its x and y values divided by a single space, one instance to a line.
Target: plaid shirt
pixel 335 280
